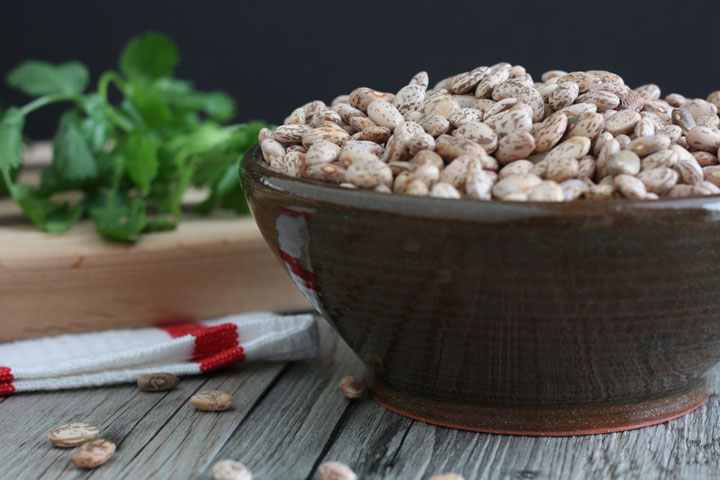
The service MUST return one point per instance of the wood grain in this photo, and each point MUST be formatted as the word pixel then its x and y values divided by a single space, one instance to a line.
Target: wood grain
pixel 73 282
pixel 290 417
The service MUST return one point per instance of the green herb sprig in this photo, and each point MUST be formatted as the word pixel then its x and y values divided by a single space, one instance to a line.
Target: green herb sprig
pixel 131 158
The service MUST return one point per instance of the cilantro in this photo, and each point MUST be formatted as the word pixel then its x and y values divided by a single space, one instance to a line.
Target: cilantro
pixel 42 78
pixel 132 158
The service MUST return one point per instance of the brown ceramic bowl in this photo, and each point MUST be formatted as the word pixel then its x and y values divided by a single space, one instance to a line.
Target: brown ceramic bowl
pixel 520 318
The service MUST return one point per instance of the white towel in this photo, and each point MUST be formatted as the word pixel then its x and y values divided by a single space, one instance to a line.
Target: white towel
pixel 118 356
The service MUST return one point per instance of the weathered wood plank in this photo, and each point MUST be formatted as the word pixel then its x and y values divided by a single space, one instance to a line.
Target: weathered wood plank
pixel 287 433
pixel 685 448
pixel 289 419
pixel 150 429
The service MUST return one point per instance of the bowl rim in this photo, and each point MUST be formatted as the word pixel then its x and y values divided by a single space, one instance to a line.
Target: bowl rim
pixel 254 170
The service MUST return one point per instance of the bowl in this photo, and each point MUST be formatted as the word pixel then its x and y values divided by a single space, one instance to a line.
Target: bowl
pixel 508 317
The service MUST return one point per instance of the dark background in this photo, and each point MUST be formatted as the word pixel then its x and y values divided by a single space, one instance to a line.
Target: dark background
pixel 274 56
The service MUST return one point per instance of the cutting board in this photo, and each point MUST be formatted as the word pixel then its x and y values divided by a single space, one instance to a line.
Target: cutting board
pixel 76 281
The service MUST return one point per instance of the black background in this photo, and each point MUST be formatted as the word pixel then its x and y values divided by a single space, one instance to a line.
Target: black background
pixel 274 56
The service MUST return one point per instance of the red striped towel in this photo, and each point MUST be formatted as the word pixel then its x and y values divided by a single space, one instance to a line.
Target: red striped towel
pixel 118 356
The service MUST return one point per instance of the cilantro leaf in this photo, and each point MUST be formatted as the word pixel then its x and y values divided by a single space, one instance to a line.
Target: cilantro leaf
pixel 147 101
pixel 11 127
pixel 121 220
pixel 141 161
pixel 51 216
pixel 152 55
pixel 72 158
pixel 42 78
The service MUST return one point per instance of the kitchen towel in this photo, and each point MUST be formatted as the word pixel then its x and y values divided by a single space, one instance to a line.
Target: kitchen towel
pixel 119 356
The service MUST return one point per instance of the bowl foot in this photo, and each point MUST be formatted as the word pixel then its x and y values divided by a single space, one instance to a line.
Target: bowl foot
pixel 537 421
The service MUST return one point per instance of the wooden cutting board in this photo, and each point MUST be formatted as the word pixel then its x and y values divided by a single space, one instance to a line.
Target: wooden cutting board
pixel 76 281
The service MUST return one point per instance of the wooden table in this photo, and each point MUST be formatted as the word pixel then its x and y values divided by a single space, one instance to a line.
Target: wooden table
pixel 289 418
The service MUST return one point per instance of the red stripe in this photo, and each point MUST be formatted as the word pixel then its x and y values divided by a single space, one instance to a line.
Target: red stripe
pixel 6 388
pixel 182 329
pixel 306 275
pixel 5 375
pixel 215 339
pixel 208 340
pixel 228 357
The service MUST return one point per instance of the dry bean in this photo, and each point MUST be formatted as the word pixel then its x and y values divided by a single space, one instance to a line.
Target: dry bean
pixel 478 184
pixel 321 152
pixel 644 128
pixel 579 108
pixel 487 84
pixel 712 121
pixel 409 98
pixel 690 171
pixel 658 180
pixel 712 174
pixel 327 131
pixel 673 132
pixel 421 79
pixel 73 435
pixel 297 117
pixel 698 107
pixel 93 454
pixel 514 146
pixel 325 172
pixel 623 162
pixel 435 124
pixel 550 132
pixel 336 471
pixel 425 157
pixel 564 95
pixel 649 91
pixel 645 146
pixel 352 388
pixel 683 119
pixel 375 134
pixel 324 116
pixel 574 189
pixel 515 168
pixel 630 187
pixel 212 401
pixel 384 114
pixel 586 125
pixel 676 100
pixel 369 174
pixel 466 82
pixel 584 80
pixel 271 149
pixel 362 97
pixel 704 138
pixel 622 122
pixel 456 171
pixel 601 192
pixel 515 187
pixel 552 74
pixel 157 382
pixel 600 142
pixel 547 191
pixel 631 100
pixel 666 158
pixel 499 107
pixel 444 190
pixel 510 121
pixel 601 99
pixel 230 470
pixel 705 159
pixel 447 476
pixel 465 115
